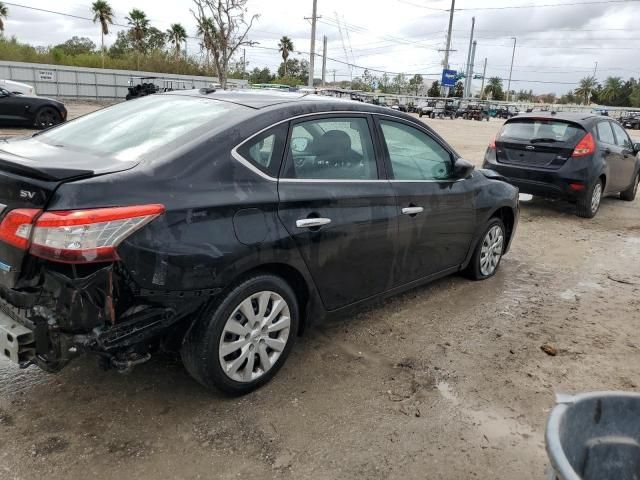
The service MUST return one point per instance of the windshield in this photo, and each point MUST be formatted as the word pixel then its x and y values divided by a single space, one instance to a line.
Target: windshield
pixel 541 129
pixel 135 129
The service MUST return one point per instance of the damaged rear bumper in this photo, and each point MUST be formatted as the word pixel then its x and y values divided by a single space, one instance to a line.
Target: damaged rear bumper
pixel 100 313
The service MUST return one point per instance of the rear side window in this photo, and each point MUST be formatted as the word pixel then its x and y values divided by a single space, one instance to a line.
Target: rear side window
pixel 264 151
pixel 605 134
pixel 622 139
pixel 332 149
pixel 542 130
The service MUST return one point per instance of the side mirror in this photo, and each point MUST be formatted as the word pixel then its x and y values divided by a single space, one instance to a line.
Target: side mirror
pixel 636 147
pixel 462 168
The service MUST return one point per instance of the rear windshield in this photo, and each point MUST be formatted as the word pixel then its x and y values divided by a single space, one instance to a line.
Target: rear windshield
pixel 542 130
pixel 135 129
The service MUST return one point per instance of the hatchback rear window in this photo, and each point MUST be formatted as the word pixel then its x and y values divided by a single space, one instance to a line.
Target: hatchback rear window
pixel 542 130
pixel 137 128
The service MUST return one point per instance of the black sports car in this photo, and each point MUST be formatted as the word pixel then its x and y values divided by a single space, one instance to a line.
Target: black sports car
pixel 30 112
pixel 223 223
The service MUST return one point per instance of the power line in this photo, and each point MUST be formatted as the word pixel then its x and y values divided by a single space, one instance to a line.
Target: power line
pixel 510 7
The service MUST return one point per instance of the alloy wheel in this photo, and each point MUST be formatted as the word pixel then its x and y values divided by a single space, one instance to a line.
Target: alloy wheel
pixel 596 196
pixel 491 252
pixel 254 336
pixel 47 117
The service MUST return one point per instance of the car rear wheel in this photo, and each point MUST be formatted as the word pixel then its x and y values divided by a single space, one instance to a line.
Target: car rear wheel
pixel 47 117
pixel 588 205
pixel 630 194
pixel 241 342
pixel 488 253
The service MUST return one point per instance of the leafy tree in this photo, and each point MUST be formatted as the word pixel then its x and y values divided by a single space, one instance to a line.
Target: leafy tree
pixel 585 88
pixel 384 83
pixel 634 98
pixel 458 90
pixel 155 40
pixel 415 83
pixel 207 30
pixel 261 76
pixel 285 47
pixel 399 83
pixel 297 70
pixel 176 34
pixel 369 81
pixel 103 13
pixel 494 87
pixel 4 14
pixel 76 46
pixel 434 90
pixel 230 32
pixel 611 90
pixel 139 24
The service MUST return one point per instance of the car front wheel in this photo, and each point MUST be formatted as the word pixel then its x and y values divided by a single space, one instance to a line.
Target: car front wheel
pixel 241 342
pixel 630 194
pixel 488 253
pixel 47 117
pixel 589 204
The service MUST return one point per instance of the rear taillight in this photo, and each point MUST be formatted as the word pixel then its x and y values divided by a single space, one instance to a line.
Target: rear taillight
pixel 15 228
pixel 75 236
pixel 586 146
pixel 492 145
pixel 87 236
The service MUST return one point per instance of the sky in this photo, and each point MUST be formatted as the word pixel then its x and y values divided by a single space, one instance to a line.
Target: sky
pixel 556 46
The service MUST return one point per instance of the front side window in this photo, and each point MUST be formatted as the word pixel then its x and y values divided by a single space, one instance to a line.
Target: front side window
pixel 414 155
pixel 605 134
pixel 332 149
pixel 622 139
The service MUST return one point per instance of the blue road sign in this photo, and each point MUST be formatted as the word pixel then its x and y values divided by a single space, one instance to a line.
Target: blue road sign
pixel 449 78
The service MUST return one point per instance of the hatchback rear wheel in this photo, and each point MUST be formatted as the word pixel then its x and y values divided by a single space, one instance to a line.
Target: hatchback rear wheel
pixel 242 341
pixel 589 204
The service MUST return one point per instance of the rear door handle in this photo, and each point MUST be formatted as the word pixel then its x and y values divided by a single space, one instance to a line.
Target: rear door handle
pixel 312 222
pixel 412 210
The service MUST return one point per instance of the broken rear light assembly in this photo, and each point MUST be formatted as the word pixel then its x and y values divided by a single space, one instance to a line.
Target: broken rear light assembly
pixel 75 236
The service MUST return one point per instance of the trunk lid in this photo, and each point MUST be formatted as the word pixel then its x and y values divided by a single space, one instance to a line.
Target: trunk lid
pixel 30 173
pixel 537 142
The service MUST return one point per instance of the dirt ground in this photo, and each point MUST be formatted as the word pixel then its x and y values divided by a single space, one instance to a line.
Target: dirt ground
pixel 445 382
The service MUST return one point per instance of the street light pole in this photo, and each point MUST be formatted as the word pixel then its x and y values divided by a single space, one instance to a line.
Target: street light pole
pixel 446 51
pixel 511 69
pixel 313 42
pixel 467 80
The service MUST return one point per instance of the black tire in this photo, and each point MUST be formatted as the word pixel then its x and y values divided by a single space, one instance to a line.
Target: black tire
pixel 474 269
pixel 584 204
pixel 47 117
pixel 630 194
pixel 420 114
pixel 201 345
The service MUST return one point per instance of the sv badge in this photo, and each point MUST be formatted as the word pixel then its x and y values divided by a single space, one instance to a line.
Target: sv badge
pixel 26 194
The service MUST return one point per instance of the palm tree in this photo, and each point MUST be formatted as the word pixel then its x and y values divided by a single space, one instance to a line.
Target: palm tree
pixel 103 13
pixel 285 46
pixel 207 30
pixel 139 24
pixel 611 90
pixel 586 86
pixel 176 35
pixel 4 13
pixel 494 86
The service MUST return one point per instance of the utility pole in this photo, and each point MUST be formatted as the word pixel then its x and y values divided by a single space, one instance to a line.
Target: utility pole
pixel 469 71
pixel 473 57
pixel 244 63
pixel 484 72
pixel 446 51
pixel 324 58
pixel 511 69
pixel 312 55
pixel 595 69
pixel 334 76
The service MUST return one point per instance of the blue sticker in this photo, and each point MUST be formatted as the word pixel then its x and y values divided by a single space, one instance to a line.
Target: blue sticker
pixel 4 267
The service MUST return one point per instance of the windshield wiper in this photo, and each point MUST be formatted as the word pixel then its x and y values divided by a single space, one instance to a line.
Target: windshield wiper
pixel 543 139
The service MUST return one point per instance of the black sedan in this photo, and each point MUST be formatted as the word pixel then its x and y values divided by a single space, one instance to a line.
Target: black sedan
pixel 579 157
pixel 221 224
pixel 30 111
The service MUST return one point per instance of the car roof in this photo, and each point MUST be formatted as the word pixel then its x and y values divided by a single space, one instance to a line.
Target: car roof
pixel 575 117
pixel 259 99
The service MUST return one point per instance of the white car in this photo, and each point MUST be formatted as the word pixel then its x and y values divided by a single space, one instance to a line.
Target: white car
pixel 17 87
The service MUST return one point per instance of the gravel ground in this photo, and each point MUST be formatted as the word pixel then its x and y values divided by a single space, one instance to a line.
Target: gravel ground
pixel 447 381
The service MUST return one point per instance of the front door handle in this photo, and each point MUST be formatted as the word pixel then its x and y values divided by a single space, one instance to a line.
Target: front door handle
pixel 312 222
pixel 412 210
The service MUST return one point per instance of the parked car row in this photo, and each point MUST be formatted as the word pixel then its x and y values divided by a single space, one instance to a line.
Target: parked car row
pixel 21 110
pixel 631 120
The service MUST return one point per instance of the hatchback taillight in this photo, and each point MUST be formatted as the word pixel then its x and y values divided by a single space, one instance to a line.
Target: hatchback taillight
pixel 492 145
pixel 586 146
pixel 75 236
